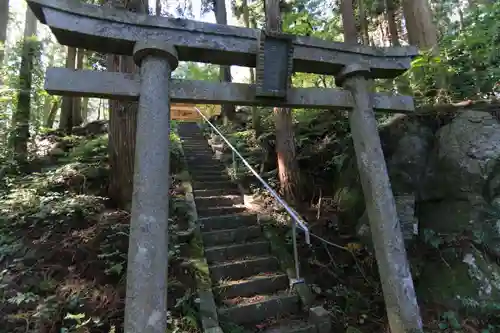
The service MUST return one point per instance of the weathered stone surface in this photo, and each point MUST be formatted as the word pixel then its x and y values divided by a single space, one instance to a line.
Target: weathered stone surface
pixel 258 311
pixel 321 319
pixel 146 295
pixel 464 159
pixel 93 128
pixel 459 198
pixel 397 283
pixel 274 64
pixel 462 280
pixel 405 207
pixel 115 31
pixel 453 172
pixel 124 86
pixel 408 144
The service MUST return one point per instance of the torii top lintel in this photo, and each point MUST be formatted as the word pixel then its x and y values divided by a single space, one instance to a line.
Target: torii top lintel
pixel 110 30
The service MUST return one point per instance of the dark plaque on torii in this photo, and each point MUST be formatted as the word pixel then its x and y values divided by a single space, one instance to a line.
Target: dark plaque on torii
pixel 157 44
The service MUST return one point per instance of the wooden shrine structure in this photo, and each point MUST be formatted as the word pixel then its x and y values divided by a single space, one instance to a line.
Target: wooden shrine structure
pixel 157 44
pixel 185 112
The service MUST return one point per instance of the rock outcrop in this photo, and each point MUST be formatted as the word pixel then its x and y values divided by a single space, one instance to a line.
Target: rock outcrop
pixel 453 173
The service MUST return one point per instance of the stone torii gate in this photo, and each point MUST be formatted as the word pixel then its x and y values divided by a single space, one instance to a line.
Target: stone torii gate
pixel 157 44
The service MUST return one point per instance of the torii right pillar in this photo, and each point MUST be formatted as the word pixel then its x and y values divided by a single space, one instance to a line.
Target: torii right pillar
pixel 397 284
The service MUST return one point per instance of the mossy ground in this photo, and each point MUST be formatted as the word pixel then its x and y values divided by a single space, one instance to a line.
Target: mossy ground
pixel 63 247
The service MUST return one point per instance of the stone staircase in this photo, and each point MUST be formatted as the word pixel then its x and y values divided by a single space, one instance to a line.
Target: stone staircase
pixel 250 289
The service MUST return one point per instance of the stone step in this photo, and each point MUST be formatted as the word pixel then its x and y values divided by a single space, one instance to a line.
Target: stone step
pixel 254 285
pixel 236 270
pixel 209 166
pixel 210 175
pixel 206 185
pixel 202 160
pixel 215 168
pixel 259 308
pixel 211 178
pixel 194 170
pixel 231 236
pixel 219 200
pixel 214 165
pixel 216 191
pixel 246 278
pixel 196 145
pixel 207 157
pixel 196 157
pixel 228 222
pixel 236 251
pixel 220 211
pixel 288 325
pixel 198 151
pixel 195 142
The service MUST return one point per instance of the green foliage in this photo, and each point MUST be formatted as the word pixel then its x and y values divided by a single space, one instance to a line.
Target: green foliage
pixel 468 63
pixel 90 150
pixel 196 71
pixel 432 238
pixel 176 159
pixel 449 320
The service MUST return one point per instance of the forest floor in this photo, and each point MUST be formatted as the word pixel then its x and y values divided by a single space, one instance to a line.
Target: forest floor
pixel 63 247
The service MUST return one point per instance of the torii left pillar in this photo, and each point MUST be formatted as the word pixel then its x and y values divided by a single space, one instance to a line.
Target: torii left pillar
pixel 146 295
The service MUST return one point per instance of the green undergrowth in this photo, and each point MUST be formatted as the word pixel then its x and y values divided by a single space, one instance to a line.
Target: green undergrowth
pixel 63 247
pixel 342 273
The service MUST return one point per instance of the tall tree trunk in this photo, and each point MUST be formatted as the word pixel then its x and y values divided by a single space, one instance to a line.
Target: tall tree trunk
pixel 47 105
pixel 421 29
pixel 227 110
pixel 85 100
pixel 349 21
pixel 402 83
pixel 363 23
pixel 4 20
pixel 422 33
pixel 77 119
pixel 391 21
pixel 51 117
pixel 85 109
pixel 100 102
pixel 21 117
pixel 461 17
pixel 66 117
pixel 122 130
pixel 255 110
pixel 158 7
pixel 288 168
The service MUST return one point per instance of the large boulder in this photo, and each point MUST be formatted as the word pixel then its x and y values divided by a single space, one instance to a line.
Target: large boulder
pixel 462 279
pixel 462 182
pixel 448 178
pixel 406 143
pixel 464 162
pixel 458 207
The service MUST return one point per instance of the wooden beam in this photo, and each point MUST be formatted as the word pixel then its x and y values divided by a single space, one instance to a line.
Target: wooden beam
pixel 123 86
pixel 115 31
